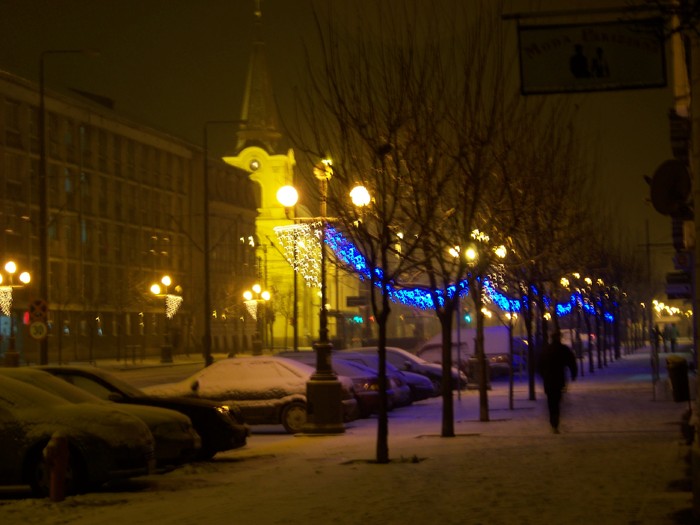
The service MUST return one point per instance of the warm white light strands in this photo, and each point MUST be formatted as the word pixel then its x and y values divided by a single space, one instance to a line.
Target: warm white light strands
pixel 172 305
pixel 301 244
pixel 6 299
pixel 252 307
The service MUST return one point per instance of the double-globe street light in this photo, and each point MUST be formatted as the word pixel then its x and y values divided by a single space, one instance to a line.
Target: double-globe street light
pixel 43 187
pixel 12 355
pixel 172 305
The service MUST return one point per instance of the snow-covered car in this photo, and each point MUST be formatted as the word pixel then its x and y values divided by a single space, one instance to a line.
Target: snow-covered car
pixel 176 441
pixel 104 443
pixel 268 389
pixel 221 426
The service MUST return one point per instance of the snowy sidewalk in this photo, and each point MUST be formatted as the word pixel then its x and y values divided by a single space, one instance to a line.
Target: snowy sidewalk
pixel 619 460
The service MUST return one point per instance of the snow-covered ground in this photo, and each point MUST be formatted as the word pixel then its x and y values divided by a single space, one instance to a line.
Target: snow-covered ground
pixel 618 460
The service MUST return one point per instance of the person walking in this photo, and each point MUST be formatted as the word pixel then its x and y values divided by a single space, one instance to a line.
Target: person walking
pixel 555 359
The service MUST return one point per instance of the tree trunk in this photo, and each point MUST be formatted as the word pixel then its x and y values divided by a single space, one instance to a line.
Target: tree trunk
pixel 445 317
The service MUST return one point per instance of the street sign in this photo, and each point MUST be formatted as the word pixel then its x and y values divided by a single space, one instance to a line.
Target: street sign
pixel 38 330
pixel 356 300
pixel 38 310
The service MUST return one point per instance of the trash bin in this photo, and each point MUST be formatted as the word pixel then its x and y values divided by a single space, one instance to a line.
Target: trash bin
pixel 677 368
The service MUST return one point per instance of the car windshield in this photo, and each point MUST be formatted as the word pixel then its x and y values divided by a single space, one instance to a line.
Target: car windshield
pixel 52 384
pixel 16 394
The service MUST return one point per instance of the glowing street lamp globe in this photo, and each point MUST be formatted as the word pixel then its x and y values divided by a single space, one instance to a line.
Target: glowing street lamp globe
pixel 287 196
pixel 360 196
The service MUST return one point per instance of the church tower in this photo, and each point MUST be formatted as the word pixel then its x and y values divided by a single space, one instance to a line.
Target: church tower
pixel 261 150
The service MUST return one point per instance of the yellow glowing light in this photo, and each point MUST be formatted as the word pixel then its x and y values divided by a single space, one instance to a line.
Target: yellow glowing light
pixel 257 288
pixel 155 289
pixel 287 196
pixel 265 295
pixel 166 280
pixel 360 196
pixel 248 295
pixel 24 277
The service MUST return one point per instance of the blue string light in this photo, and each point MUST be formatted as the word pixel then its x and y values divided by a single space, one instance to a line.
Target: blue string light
pixel 421 298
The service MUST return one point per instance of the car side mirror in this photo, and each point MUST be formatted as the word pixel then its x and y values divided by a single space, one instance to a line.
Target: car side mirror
pixel 407 365
pixel 195 386
pixel 115 397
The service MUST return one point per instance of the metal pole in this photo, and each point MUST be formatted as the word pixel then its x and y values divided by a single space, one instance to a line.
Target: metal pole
pixel 43 209
pixel 295 308
pixel 206 339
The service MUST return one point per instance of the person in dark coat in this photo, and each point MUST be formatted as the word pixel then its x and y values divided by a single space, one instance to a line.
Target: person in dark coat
pixel 555 359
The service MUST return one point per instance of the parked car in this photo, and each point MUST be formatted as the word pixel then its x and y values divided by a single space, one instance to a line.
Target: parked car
pixel 176 441
pixel 397 381
pixel 364 380
pixel 104 443
pixel 268 389
pixel 408 362
pixel 496 349
pixel 221 426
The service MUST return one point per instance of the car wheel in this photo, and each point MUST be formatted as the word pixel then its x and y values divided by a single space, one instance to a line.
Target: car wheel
pixel 294 417
pixel 39 475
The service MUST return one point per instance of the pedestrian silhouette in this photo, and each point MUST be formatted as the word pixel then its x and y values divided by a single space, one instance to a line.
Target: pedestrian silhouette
pixel 555 359
pixel 578 63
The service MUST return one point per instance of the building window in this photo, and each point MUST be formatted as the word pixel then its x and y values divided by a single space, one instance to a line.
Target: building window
pixel 118 156
pixel 34 129
pixel 69 189
pixel 53 127
pixel 69 140
pixel 13 132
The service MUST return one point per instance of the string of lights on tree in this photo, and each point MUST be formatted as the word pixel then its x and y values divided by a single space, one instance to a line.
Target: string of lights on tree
pixel 307 263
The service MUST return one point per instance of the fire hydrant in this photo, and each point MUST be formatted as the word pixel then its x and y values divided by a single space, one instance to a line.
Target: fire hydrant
pixel 56 454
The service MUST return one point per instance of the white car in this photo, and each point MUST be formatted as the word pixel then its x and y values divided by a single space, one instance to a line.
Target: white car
pixel 268 389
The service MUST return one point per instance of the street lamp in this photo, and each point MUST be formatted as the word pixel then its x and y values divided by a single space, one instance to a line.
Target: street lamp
pixel 324 413
pixel 288 197
pixel 172 304
pixel 253 299
pixel 12 356
pixel 43 188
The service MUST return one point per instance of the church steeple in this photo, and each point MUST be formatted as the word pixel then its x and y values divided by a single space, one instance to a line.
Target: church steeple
pixel 259 110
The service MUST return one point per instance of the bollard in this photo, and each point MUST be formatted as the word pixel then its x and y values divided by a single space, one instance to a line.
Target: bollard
pixel 56 454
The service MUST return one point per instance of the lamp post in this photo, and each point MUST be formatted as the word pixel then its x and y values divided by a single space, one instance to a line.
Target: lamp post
pixel 288 197
pixel 43 188
pixel 254 298
pixel 206 338
pixel 324 413
pixel 11 356
pixel 172 304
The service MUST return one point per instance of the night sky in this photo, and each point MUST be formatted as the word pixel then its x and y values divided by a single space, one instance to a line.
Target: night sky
pixel 174 64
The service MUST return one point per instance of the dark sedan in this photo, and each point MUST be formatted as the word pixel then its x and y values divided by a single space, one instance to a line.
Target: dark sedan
pixel 364 380
pixel 220 426
pixel 408 362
